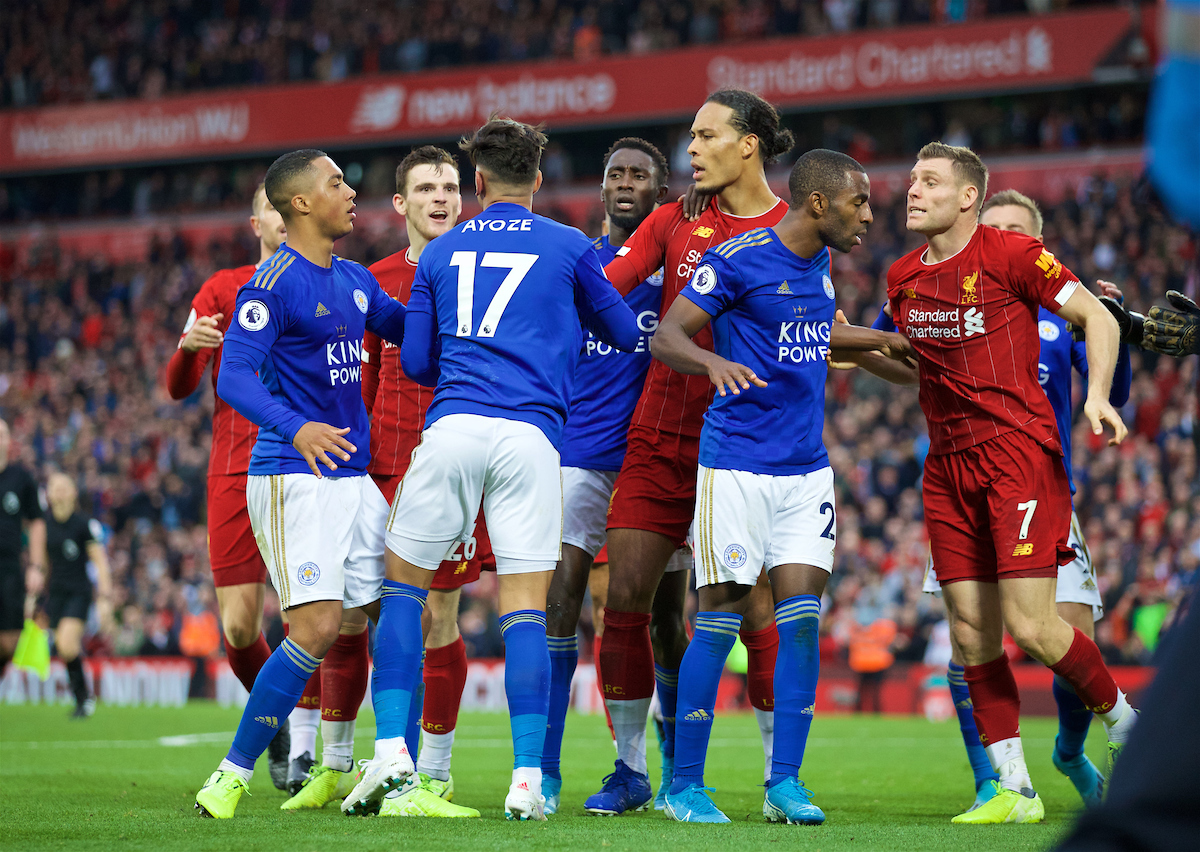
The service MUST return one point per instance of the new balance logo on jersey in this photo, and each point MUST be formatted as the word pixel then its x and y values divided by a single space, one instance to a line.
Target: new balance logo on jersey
pixel 269 721
pixel 1023 550
pixel 702 231
pixel 784 289
pixel 322 311
pixel 700 715
pixel 972 322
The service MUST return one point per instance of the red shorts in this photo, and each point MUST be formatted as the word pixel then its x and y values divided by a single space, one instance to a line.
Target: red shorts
pixel 468 557
pixel 232 550
pixel 656 488
pixel 998 509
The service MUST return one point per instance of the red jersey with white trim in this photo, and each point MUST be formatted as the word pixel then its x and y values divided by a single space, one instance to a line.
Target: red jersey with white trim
pixel 973 320
pixel 233 435
pixel 672 402
pixel 396 403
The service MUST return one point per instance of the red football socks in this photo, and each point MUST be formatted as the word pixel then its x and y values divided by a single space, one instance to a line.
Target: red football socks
pixel 445 677
pixel 1084 669
pixel 627 657
pixel 344 678
pixel 761 648
pixel 600 686
pixel 996 700
pixel 246 662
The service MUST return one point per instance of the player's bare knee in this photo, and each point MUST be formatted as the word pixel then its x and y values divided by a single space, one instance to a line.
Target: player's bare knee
pixel 239 634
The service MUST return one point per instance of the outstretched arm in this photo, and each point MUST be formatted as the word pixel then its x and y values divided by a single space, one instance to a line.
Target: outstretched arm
pixel 419 351
pixel 601 309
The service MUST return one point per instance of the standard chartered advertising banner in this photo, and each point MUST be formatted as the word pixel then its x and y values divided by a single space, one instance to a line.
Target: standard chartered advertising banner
pixel 1007 54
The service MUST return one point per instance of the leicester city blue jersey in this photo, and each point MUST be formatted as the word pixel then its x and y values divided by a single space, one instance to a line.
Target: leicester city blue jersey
pixel 306 324
pixel 505 293
pixel 1059 353
pixel 608 382
pixel 773 312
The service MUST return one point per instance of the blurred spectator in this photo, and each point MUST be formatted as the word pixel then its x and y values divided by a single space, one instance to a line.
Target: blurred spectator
pixel 59 52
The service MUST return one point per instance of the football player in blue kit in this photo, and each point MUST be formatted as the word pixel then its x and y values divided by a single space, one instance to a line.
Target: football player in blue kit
pixel 317 516
pixel 496 323
pixel 765 491
pixel 606 389
pixel 1076 596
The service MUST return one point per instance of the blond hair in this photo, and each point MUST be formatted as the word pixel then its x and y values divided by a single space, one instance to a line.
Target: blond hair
pixel 967 166
pixel 1012 198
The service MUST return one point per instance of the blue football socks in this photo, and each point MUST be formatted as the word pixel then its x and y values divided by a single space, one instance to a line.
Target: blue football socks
pixel 527 683
pixel 796 670
pixel 666 681
pixel 277 688
pixel 398 650
pixel 1074 719
pixel 699 679
pixel 981 765
pixel 564 657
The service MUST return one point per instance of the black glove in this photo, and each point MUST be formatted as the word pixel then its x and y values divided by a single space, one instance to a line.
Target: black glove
pixel 1173 332
pixel 1130 322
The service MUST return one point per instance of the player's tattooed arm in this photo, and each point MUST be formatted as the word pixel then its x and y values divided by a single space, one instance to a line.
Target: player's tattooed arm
pixel 673 345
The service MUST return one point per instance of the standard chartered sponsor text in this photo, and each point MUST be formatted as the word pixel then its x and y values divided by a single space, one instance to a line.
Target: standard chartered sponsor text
pixel 879 62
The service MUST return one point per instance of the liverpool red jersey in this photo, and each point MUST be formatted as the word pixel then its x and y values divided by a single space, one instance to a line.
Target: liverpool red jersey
pixel 233 434
pixel 973 320
pixel 670 401
pixel 396 403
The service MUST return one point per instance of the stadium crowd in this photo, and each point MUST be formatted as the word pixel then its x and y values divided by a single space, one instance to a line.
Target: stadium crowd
pixel 83 345
pixel 58 52
pixel 1051 122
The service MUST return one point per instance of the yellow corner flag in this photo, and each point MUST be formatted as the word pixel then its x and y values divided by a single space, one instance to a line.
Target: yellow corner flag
pixel 33 650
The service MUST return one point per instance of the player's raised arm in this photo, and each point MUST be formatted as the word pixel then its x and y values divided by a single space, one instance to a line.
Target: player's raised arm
pixel 601 309
pixel 419 351
pixel 1103 339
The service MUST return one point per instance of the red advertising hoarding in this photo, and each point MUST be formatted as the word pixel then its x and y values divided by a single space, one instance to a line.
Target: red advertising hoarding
pixel 912 62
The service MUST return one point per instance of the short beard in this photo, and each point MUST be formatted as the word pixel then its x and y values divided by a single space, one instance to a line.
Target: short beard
pixel 626 221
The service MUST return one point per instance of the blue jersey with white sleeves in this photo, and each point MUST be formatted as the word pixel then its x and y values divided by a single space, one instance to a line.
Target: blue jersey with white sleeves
pixel 609 382
pixel 1058 354
pixel 300 327
pixel 495 317
pixel 773 312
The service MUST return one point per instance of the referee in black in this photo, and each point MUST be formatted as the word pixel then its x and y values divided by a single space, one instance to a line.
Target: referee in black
pixel 20 514
pixel 72 540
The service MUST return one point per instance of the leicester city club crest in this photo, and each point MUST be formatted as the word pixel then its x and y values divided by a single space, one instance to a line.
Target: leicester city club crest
pixel 827 283
pixel 360 299
pixel 735 556
pixel 308 573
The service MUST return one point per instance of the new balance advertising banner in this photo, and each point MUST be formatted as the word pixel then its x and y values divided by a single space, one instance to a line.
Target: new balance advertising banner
pixel 914 62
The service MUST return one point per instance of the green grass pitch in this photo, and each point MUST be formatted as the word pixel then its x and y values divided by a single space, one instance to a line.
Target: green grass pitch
pixel 125 779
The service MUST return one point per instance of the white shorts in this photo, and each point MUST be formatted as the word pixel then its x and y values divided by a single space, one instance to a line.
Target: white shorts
pixel 681 560
pixel 322 539
pixel 465 458
pixel 1076 579
pixel 586 495
pixel 745 521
